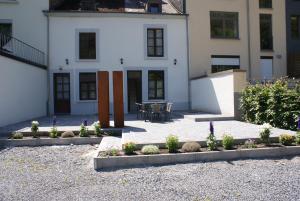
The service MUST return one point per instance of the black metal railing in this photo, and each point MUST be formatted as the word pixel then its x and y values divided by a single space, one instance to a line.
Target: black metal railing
pixel 18 49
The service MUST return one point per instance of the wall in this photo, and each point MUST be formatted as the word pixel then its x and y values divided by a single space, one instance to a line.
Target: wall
pixel 23 91
pixel 202 46
pixel 29 24
pixel 120 36
pixel 218 93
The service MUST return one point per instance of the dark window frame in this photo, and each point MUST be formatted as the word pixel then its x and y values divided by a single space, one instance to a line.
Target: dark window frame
pixel 266 41
pixel 89 89
pixel 91 51
pixel 155 46
pixel 266 4
pixel 297 28
pixel 7 24
pixel 224 17
pixel 156 97
pixel 220 68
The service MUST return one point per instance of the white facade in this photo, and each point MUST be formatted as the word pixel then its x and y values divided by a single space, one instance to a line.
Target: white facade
pixel 23 91
pixel 119 36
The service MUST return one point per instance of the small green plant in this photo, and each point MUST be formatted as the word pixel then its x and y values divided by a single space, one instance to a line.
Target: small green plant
pixel 150 150
pixel 191 147
pixel 53 132
pixel 228 142
pixel 265 133
pixel 250 144
pixel 34 128
pixel 83 132
pixel 286 139
pixel 297 139
pixel 17 136
pixel 97 129
pixel 172 143
pixel 68 134
pixel 211 142
pixel 129 148
pixel 112 152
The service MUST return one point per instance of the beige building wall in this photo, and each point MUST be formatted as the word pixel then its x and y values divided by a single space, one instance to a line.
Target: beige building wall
pixel 202 46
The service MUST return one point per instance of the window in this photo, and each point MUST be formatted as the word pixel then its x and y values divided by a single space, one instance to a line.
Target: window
pixel 223 63
pixel 6 28
pixel 295 27
pixel 155 42
pixel 154 8
pixel 156 85
pixel 265 3
pixel 87 86
pixel 266 33
pixel 224 24
pixel 87 45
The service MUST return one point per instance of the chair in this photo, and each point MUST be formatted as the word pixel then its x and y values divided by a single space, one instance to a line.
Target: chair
pixel 168 112
pixel 155 112
pixel 140 111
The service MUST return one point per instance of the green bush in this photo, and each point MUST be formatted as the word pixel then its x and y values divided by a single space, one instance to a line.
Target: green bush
pixel 211 142
pixel 83 132
pixel 172 143
pixel 129 148
pixel 112 152
pixel 271 103
pixel 298 137
pixel 191 147
pixel 97 129
pixel 265 133
pixel 53 133
pixel 68 134
pixel 17 136
pixel 286 139
pixel 250 144
pixel 228 142
pixel 150 150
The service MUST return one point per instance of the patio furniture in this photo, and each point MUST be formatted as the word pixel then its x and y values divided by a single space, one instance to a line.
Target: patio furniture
pixel 141 111
pixel 168 112
pixel 155 112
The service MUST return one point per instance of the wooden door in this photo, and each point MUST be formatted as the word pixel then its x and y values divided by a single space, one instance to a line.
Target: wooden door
pixel 62 99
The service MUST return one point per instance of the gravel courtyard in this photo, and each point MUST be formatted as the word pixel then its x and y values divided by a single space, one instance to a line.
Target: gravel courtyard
pixel 66 173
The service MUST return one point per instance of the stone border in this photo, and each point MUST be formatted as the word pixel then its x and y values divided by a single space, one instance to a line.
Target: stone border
pixel 33 142
pixel 167 159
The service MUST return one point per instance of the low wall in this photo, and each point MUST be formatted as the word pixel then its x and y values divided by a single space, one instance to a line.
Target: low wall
pixel 23 91
pixel 218 93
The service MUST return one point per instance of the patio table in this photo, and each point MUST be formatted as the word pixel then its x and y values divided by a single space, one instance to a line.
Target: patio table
pixel 147 107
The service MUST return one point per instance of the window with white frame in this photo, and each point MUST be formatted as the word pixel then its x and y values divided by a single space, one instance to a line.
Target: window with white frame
pixel 156 85
pixel 223 63
pixel 87 44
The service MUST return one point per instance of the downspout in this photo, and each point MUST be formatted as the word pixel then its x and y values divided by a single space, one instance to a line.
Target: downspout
pixel 249 42
pixel 188 59
pixel 48 67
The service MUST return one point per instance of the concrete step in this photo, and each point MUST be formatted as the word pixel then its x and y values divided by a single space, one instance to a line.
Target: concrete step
pixel 200 117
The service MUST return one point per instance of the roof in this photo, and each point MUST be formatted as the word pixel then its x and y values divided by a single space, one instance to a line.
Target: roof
pixel 126 6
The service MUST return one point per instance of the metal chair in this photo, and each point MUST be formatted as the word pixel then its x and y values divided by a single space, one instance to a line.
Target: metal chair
pixel 155 112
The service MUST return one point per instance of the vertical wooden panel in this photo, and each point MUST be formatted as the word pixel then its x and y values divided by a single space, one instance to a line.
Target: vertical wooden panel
pixel 103 98
pixel 118 99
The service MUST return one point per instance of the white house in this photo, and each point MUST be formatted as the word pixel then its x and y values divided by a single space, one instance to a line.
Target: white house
pixel 147 41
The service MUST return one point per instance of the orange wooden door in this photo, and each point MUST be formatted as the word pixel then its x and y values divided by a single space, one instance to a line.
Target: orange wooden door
pixel 103 98
pixel 118 99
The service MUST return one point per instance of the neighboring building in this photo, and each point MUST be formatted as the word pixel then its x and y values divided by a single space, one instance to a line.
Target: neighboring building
pixel 237 34
pixel 293 37
pixel 147 40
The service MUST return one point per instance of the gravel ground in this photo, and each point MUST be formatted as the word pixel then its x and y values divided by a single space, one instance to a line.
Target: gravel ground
pixel 66 173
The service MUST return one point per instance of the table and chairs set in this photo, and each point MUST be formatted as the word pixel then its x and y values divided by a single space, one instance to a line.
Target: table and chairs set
pixel 154 111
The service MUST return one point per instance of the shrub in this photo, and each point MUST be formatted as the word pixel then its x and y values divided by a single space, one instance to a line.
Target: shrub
pixel 17 136
pixel 272 103
pixel 211 142
pixel 150 150
pixel 129 148
pixel 34 128
pixel 286 139
pixel 265 133
pixel 191 147
pixel 83 132
pixel 172 143
pixel 112 152
pixel 68 134
pixel 298 137
pixel 250 144
pixel 97 129
pixel 53 133
pixel 228 142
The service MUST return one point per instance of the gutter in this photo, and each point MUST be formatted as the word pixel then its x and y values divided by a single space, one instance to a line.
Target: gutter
pixel 188 62
pixel 48 69
pixel 249 42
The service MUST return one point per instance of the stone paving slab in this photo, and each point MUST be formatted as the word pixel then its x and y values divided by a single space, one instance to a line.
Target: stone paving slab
pixel 110 143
